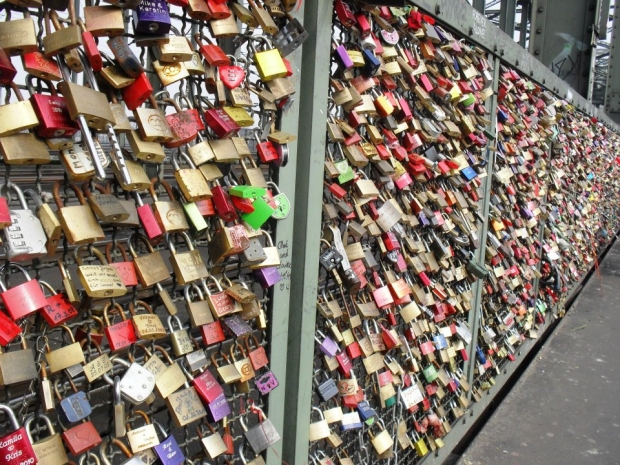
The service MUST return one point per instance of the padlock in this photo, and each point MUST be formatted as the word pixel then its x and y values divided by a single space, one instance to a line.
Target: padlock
pixel 187 266
pixel 17 366
pixel 144 437
pixel 17 117
pixel 24 299
pixel 66 356
pixel 78 160
pixel 126 268
pixel 146 326
pixel 49 450
pixel 74 407
pixel 18 36
pixel 59 309
pixel 78 222
pixel 137 93
pixel 224 127
pixel 104 21
pixel 261 436
pixel 99 280
pixel 52 112
pixel 181 342
pixel 183 124
pixel 147 219
pixel 212 53
pixel 269 62
pixel 220 302
pixel 106 206
pixel 15 447
pixel 190 180
pixel 150 268
pixel 137 383
pixel 152 123
pixel 25 238
pixel 169 214
pixel 119 335
pixel 152 17
pixel 168 450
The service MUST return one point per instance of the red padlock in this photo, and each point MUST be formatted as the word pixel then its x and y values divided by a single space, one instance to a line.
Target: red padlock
pixel 126 269
pixel 5 214
pixel 52 112
pixel 81 438
pixel 206 385
pixel 7 70
pixel 206 207
pixel 183 125
pixel 90 48
pixel 266 150
pixel 218 9
pixel 214 55
pixel 15 447
pixel 58 309
pixel 212 333
pixel 223 204
pixel 147 219
pixel 344 13
pixel 258 357
pixel 220 122
pixel 8 329
pixel 39 65
pixel 24 299
pixel 121 334
pixel 138 92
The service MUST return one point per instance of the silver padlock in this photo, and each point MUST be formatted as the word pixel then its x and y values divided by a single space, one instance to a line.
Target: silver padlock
pixel 196 360
pixel 255 252
pixel 25 239
pixel 79 163
pixel 261 436
pixel 137 384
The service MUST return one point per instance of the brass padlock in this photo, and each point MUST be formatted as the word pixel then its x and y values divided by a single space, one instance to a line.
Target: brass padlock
pixel 17 366
pixel 104 21
pixel 64 39
pixel 273 256
pixel 169 213
pixel 188 266
pixel 49 450
pixel 18 36
pixel 138 179
pixel 78 222
pixel 150 268
pixel 106 206
pixel 99 280
pixel 198 310
pixel 148 325
pixel 66 356
pixel 191 180
pixel 16 117
pixel 181 342
pixel 152 123
pixel 151 152
pixel 144 437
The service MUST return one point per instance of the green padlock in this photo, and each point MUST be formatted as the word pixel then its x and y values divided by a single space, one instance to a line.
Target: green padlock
pixel 283 204
pixel 196 220
pixel 430 374
pixel 347 176
pixel 247 192
pixel 262 212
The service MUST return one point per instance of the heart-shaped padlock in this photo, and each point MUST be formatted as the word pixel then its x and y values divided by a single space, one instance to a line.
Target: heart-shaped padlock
pixel 232 76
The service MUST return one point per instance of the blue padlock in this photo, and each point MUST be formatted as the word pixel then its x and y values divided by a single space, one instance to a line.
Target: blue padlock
pixel 366 412
pixel 152 17
pixel 480 354
pixel 440 342
pixel 469 173
pixel 371 63
pixel 73 408
pixel 168 450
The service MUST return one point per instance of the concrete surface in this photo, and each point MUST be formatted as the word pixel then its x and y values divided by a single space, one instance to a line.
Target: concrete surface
pixel 565 409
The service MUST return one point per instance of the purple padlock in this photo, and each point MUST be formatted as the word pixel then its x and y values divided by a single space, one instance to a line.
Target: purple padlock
pixel 527 213
pixel 218 409
pixel 168 450
pixel 343 57
pixel 152 17
pixel 327 346
pixel 266 383
pixel 267 277
pixel 236 326
pixel 423 219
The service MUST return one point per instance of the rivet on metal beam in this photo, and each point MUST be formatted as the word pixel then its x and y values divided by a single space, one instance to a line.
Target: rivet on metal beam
pixel 536 52
pixel 471 31
pixel 438 10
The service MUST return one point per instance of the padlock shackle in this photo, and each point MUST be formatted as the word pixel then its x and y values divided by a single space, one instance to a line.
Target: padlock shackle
pixel 133 305
pixel 140 238
pixel 92 251
pixel 117 307
pixel 11 415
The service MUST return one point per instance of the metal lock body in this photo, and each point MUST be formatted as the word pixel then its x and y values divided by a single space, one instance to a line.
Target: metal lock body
pixel 136 384
pixel 144 437
pixel 78 222
pixel 74 407
pixel 187 266
pixel 18 116
pixel 25 238
pixel 52 112
pixel 49 450
pixel 152 123
pixel 191 181
pixel 17 366
pixel 15 446
pixel 23 299
pixel 152 17
pixel 181 342
pixel 150 268
pixel 99 280
pixel 106 206
pixel 118 335
pixel 169 214
pixel 147 326
pixel 262 435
